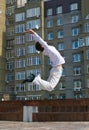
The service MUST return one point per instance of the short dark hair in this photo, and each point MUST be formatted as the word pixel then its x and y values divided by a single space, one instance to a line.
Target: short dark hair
pixel 38 46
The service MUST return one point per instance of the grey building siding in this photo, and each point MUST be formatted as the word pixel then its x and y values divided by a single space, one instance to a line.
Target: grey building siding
pixel 65 4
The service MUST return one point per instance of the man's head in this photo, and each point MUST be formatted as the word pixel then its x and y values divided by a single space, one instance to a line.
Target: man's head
pixel 39 47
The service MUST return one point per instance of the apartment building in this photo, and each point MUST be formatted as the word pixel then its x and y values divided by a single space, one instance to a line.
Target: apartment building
pixel 63 24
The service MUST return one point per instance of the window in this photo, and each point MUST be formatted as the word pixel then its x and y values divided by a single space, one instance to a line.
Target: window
pixel 76 58
pixel 29 37
pixel 59 21
pixel 19 28
pixel 34 97
pixel 50 23
pixel 33 61
pixel 20 87
pixel 10 31
pixel 33 12
pixel 20 52
pixel 60 34
pixel 9 54
pixel 49 12
pixel 10 65
pixel 20 75
pixel 10 10
pixel 9 77
pixel 33 24
pixel 60 46
pixel 10 88
pixel 62 86
pixel 9 43
pixel 34 71
pixel 87 40
pixel 9 21
pixel 21 98
pixel 87 27
pixel 77 71
pixel 21 3
pixel 31 49
pixel 74 6
pixel 50 36
pixel 20 39
pixel 87 54
pixel 75 19
pixel 75 31
pixel 75 44
pixel 32 87
pixel 59 10
pixel 20 17
pixel 20 63
pixel 81 42
pixel 77 85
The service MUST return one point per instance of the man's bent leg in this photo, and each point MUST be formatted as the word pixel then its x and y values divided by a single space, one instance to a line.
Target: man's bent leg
pixel 52 81
pixel 44 85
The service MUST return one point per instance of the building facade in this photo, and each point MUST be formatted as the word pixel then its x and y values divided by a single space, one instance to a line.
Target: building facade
pixel 64 25
pixel 2 46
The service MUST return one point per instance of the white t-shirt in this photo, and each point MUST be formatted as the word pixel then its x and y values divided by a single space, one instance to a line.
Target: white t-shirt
pixel 50 51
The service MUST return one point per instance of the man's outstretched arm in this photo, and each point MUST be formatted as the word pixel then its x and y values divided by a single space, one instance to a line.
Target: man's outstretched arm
pixel 30 31
pixel 37 38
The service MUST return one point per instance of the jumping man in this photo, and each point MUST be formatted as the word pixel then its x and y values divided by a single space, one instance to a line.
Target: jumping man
pixel 57 62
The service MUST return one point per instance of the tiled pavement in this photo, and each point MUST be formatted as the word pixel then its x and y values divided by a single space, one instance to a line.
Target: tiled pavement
pixel 10 125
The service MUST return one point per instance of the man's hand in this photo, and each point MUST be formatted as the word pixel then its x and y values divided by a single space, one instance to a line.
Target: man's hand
pixel 30 31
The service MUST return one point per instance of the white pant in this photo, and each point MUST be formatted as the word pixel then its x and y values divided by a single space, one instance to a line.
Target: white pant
pixel 52 81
